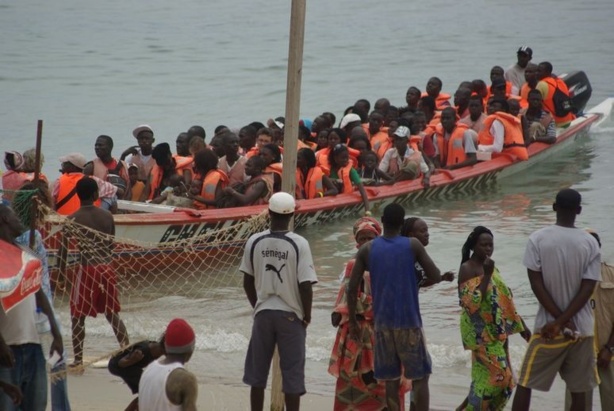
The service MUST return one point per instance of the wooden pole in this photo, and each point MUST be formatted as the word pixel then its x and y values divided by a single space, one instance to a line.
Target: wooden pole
pixel 37 167
pixel 288 178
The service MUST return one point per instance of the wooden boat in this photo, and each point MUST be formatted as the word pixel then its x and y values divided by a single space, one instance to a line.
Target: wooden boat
pixel 160 224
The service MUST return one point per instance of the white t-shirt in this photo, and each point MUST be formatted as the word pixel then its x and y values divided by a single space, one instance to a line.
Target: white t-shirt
pixel 515 75
pixel 18 326
pixel 565 256
pixel 152 387
pixel 279 261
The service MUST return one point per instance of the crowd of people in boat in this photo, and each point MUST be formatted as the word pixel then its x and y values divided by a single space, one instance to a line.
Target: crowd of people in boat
pixel 370 145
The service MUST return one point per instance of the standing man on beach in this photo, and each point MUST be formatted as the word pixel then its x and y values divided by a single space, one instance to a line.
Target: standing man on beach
pixel 563 264
pixel 278 275
pixel 165 383
pixel 399 339
pixel 22 363
pixel 95 288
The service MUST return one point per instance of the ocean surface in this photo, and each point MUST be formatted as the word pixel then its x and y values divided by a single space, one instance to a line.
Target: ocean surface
pixel 103 68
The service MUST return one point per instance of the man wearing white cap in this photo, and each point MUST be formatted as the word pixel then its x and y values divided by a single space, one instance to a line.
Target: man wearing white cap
pixel 165 383
pixel 278 274
pixel 141 153
pixel 402 162
pixel 349 121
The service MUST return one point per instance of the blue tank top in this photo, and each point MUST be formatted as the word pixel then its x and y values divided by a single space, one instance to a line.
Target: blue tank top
pixel 393 284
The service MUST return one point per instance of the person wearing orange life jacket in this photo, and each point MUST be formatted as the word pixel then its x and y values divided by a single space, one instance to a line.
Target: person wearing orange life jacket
pixel 403 162
pixel 232 163
pixel 335 137
pixel 454 142
pixel 412 96
pixel 311 182
pixel 547 85
pixel 499 89
pixel 264 136
pixel 141 153
pixel 531 80
pixel 428 107
pixel 433 89
pixel 376 131
pixel 344 176
pixel 247 138
pixel 64 191
pixel 349 121
pixel 109 169
pixel 480 89
pixel 510 88
pixel 475 120
pixel 461 101
pixel 502 132
pixel 258 188
pixel 214 180
pixel 165 167
pixel 271 155
pixel 537 124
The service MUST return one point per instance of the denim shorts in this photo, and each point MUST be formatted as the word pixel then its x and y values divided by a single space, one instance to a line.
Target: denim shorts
pixel 401 351
pixel 30 374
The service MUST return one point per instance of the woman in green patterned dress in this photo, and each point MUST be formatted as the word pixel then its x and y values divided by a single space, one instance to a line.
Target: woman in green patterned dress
pixel 488 317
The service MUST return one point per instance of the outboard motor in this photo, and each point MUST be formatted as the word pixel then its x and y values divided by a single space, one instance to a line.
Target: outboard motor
pixel 580 89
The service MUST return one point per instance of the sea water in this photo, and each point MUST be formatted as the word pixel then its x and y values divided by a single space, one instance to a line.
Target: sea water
pixel 103 68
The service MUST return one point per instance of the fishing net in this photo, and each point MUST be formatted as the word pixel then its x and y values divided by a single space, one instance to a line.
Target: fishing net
pixel 203 266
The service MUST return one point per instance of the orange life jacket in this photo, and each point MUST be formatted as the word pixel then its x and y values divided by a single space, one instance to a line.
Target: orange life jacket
pixel 310 187
pixel 524 95
pixel 322 160
pixel 210 184
pixel 415 142
pixel 548 104
pixel 66 184
pixel 513 142
pixel 254 151
pixel 276 168
pixel 442 101
pixel 381 148
pixel 157 174
pixel 450 152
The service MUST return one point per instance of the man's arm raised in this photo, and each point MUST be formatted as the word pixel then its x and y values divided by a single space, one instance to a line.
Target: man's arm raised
pixel 182 389
pixel 430 269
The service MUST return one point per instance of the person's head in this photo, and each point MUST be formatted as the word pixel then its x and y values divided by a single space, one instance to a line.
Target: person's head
pixel 349 121
pixel 196 185
pixel 427 106
pixel 197 131
pixel 412 96
pixel 496 72
pixel 319 123
pixel 476 107
pixel 544 69
pixel 369 160
pixel 524 55
pixel 270 153
pixel 103 147
pixel 182 144
pixel 393 217
pixel 217 145
pixel 480 242
pixel 391 115
pixel 179 340
pixel 339 157
pixel 535 100
pixel 247 137
pixel 360 141
pixel 530 74
pixel 144 138
pixel 366 229
pixel 417 123
pixel 330 117
pixel 461 98
pixel 479 87
pixel 230 144
pixel 177 183
pixel 498 104
pixel 162 154
pixel 29 161
pixel 401 137
pixel 281 209
pixel 382 105
pixel 336 136
pixel 254 166
pixel 205 161
pixel 448 119
pixel 417 228
pixel 219 130
pixel 73 163
pixel 595 236
pixel 498 87
pixel 305 159
pixel 363 105
pixel 568 204
pixel 197 144
pixel 32 190
pixel 514 106
pixel 322 139
pixel 264 136
pixel 13 160
pixel 10 226
pixel 376 121
pixel 133 173
pixel 304 134
pixel 87 190
pixel 433 86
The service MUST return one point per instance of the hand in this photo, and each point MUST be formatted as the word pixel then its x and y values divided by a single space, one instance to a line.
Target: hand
pixel 489 266
pixel 335 319
pixel 306 321
pixel 6 355
pixel 136 356
pixel 12 391
pixel 550 330
pixel 448 276
pixel 604 358
pixel 130 151
pixel 354 329
pixel 526 334
pixel 57 345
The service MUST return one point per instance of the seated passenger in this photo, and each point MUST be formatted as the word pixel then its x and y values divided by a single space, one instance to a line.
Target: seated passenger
pixel 176 194
pixel 461 101
pixel 376 130
pixel 335 136
pixel 502 132
pixel 475 120
pixel 264 136
pixel 514 105
pixel 165 167
pixel 258 188
pixel 271 155
pixel 454 142
pixel 531 80
pixel 311 182
pixel 498 72
pixel 359 141
pixel 537 123
pixel 481 89
pixel 232 163
pixel 433 89
pixel 343 175
pixel 548 84
pixel 370 174
pixel 411 98
pixel 402 162
pixel 214 180
pixel 137 185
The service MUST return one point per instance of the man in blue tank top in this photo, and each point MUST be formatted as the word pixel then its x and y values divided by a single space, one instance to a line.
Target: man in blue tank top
pixel 399 340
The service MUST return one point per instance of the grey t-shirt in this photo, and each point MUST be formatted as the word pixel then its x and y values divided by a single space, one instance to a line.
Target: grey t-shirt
pixel 565 256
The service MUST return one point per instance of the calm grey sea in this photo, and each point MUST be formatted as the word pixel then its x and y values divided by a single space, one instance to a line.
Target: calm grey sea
pixel 89 68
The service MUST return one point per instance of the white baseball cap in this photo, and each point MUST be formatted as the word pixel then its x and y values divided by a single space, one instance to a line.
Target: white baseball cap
pixel 76 159
pixel 349 118
pixel 140 129
pixel 282 203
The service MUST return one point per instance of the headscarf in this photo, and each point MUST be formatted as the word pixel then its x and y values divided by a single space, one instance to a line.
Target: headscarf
pixel 368 224
pixel 13 160
pixel 29 160
pixel 472 240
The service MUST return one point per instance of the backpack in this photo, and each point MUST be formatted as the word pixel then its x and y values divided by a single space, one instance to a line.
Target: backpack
pixel 561 101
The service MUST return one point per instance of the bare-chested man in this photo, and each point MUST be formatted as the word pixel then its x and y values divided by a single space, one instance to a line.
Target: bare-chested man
pixel 95 288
